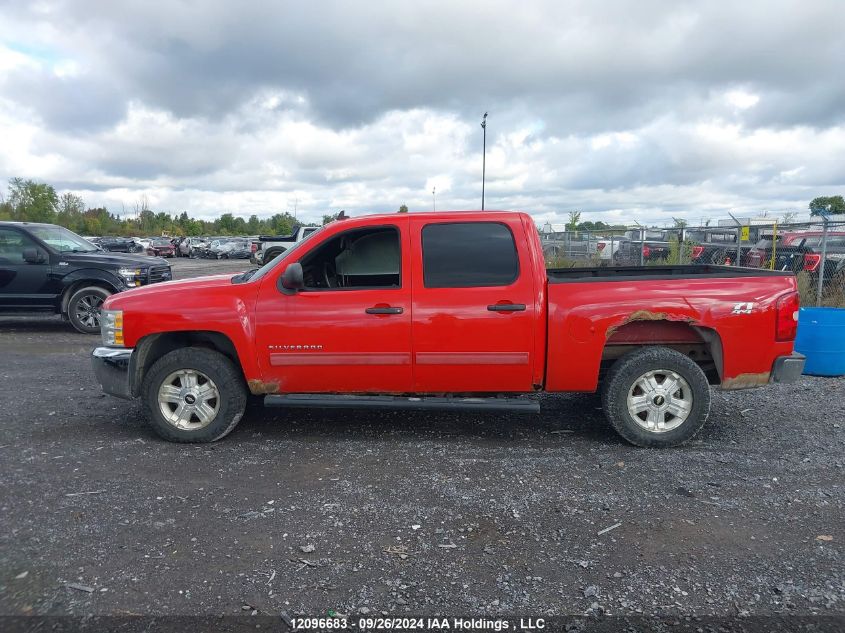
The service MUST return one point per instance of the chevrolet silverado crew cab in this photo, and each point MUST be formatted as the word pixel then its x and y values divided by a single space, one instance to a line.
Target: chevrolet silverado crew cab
pixel 47 268
pixel 450 310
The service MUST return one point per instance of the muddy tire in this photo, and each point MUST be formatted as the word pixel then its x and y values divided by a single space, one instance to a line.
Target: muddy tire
pixel 193 395
pixel 656 397
pixel 83 309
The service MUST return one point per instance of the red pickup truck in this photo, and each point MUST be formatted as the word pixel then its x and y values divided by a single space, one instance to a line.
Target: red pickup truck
pixel 446 310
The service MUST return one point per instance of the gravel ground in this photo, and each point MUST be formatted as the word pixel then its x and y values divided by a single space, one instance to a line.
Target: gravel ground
pixel 304 511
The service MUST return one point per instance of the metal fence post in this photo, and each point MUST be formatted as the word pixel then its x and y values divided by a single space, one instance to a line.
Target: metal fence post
pixel 774 246
pixel 738 240
pixel 824 256
pixel 642 246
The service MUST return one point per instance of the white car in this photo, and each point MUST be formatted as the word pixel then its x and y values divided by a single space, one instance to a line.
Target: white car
pixel 608 248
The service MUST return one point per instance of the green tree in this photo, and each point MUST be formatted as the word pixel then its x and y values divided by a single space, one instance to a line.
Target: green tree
pixel 70 210
pixel 33 201
pixel 680 223
pixel 281 224
pixel 5 209
pixel 331 218
pixel 226 223
pixel 836 204
pixel 29 200
pixel 403 209
pixel 574 217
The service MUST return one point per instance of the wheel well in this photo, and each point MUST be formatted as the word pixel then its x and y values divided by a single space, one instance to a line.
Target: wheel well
pixel 83 283
pixel 274 252
pixel 700 344
pixel 150 348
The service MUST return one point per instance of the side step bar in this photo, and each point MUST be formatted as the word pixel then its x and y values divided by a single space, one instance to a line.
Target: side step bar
pixel 331 401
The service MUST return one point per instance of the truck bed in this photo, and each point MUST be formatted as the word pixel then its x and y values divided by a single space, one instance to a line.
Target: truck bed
pixel 684 271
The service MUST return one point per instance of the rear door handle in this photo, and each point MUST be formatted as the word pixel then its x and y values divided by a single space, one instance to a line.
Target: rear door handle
pixel 384 310
pixel 507 307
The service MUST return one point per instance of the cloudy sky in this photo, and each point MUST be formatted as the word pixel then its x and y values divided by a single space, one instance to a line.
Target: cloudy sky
pixel 625 110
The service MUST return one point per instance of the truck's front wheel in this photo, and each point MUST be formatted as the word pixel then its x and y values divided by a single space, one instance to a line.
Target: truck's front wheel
pixel 656 397
pixel 193 395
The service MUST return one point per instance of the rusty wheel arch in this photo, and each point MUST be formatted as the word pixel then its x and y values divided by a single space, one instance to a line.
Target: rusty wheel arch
pixel 643 328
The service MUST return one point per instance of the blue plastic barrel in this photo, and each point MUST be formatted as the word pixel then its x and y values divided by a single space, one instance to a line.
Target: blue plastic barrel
pixel 821 338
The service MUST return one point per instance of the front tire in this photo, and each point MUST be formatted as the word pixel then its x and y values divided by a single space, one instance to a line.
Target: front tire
pixel 83 308
pixel 193 394
pixel 656 397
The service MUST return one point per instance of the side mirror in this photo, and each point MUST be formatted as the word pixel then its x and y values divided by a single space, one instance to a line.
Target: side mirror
pixel 32 256
pixel 292 279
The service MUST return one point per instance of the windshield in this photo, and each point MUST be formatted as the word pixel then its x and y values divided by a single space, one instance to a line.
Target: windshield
pixel 62 240
pixel 277 260
pixel 161 242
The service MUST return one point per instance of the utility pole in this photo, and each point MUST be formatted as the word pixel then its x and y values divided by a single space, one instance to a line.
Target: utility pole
pixel 434 199
pixel 483 157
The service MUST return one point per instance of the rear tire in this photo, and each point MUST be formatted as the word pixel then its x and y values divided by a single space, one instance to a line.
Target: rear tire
pixel 656 397
pixel 84 306
pixel 193 394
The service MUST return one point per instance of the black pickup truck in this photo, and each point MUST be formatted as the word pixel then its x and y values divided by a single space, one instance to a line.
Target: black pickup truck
pixel 46 268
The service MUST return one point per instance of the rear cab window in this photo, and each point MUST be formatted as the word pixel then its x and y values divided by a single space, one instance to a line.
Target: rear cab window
pixel 468 255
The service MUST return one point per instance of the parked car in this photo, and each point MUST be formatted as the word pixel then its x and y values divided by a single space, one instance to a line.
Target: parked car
pixel 119 245
pixel 329 324
pixel 267 247
pixel 654 243
pixel 237 249
pixel 802 251
pixel 192 246
pixel 46 268
pixel 713 246
pixel 615 248
pixel 569 245
pixel 161 247
pixel 218 249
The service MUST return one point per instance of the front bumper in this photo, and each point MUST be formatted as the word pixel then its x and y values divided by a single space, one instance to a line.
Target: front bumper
pixel 788 368
pixel 113 368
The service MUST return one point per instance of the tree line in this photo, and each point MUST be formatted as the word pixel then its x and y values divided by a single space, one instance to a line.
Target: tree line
pixel 31 201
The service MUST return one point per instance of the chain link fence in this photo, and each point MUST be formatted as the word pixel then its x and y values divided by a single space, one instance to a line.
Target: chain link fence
pixel 813 250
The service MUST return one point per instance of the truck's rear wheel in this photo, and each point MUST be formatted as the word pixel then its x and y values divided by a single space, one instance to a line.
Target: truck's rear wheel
pixel 656 397
pixel 193 395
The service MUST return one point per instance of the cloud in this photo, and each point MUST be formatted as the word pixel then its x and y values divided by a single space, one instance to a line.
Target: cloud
pixel 655 109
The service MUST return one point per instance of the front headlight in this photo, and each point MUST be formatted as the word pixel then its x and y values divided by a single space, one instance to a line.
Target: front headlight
pixel 132 276
pixel 111 327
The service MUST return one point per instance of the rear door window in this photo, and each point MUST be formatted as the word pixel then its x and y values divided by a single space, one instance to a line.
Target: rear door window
pixel 468 255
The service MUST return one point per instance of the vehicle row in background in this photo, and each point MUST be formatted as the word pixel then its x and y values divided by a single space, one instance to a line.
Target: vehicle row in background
pixel 792 250
pixel 47 268
pixel 266 248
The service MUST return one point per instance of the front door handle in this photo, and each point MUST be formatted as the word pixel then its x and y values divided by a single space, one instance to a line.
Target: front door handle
pixel 507 307
pixel 384 310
